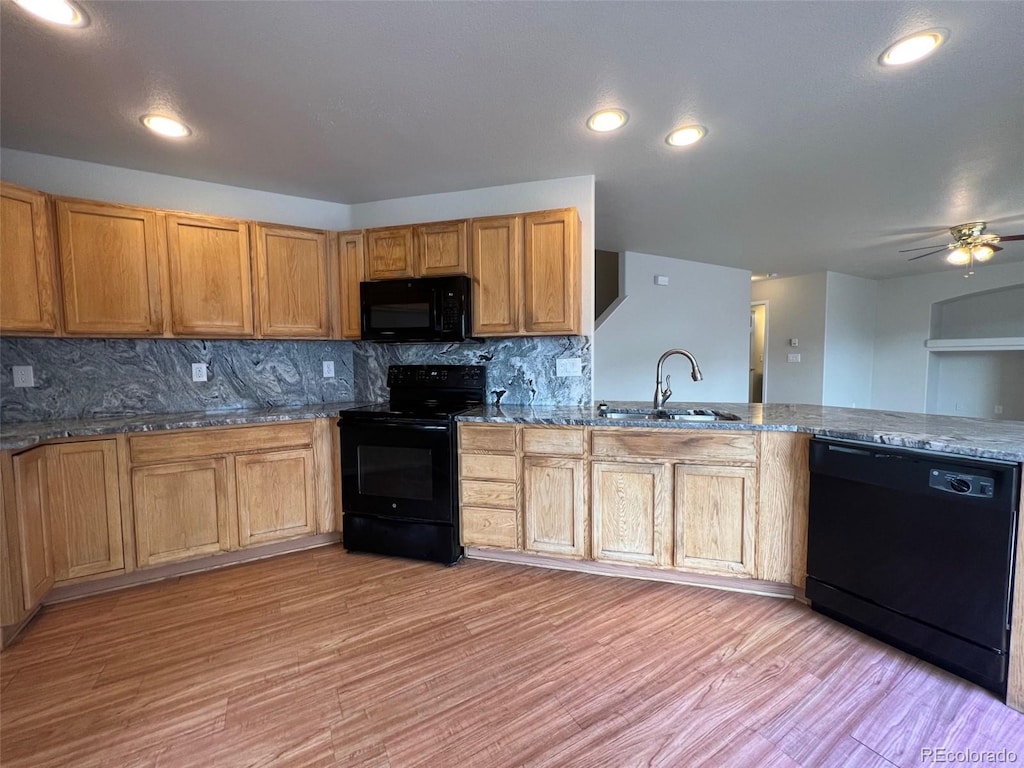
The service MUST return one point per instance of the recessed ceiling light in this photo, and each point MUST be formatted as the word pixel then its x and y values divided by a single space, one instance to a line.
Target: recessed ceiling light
pixel 166 126
pixel 912 48
pixel 62 12
pixel 688 134
pixel 607 120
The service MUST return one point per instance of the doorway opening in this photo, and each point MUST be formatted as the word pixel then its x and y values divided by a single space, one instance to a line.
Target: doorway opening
pixel 758 344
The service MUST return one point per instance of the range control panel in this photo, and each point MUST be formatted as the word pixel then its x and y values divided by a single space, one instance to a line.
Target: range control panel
pixel 436 376
pixel 961 484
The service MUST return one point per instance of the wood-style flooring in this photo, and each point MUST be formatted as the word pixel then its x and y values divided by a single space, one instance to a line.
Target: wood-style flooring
pixel 323 658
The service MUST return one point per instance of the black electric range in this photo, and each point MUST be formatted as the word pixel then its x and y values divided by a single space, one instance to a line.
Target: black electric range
pixel 399 463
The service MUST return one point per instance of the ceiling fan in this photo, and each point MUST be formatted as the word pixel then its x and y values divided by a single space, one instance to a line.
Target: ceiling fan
pixel 970 244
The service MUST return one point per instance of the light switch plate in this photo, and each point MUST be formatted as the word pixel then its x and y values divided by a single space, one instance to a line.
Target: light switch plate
pixel 793 357
pixel 328 369
pixel 568 366
pixel 661 279
pixel 199 372
pixel 23 376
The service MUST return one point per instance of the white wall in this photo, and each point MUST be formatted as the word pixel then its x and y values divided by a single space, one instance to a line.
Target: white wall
pixel 74 178
pixel 575 192
pixel 976 383
pixel 849 340
pixel 903 324
pixel 985 315
pixel 704 309
pixel 796 310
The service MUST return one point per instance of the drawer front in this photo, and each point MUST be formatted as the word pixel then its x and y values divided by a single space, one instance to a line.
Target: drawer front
pixel 691 445
pixel 558 441
pixel 197 443
pixel 484 466
pixel 487 437
pixel 487 494
pixel 489 528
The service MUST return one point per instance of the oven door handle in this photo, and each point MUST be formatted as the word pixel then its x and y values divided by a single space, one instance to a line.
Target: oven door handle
pixel 403 425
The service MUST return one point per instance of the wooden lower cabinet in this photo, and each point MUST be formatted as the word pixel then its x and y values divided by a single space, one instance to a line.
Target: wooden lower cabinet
pixel 714 519
pixel 276 496
pixel 554 506
pixel 31 494
pixel 631 513
pixel 181 510
pixel 488 486
pixel 85 509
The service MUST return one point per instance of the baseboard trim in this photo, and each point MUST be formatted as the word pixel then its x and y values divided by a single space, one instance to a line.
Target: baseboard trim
pixel 186 567
pixel 10 632
pixel 725 583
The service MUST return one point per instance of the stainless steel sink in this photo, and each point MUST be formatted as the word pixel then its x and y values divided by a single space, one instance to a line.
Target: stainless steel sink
pixel 689 414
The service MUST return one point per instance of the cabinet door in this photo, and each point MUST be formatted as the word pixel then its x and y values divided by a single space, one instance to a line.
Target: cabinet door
pixel 211 276
pixel 631 513
pixel 86 509
pixel 30 481
pixel 554 506
pixel 714 518
pixel 292 280
pixel 276 496
pixel 350 256
pixel 27 280
pixel 497 275
pixel 110 261
pixel 181 510
pixel 443 248
pixel 390 253
pixel 551 271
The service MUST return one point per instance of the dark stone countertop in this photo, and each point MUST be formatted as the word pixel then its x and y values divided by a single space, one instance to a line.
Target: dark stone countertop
pixel 978 438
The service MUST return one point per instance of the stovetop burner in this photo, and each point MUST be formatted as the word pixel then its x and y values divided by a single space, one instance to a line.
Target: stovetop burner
pixel 435 392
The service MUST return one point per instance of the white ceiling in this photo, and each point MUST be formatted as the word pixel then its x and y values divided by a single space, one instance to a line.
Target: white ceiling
pixel 816 158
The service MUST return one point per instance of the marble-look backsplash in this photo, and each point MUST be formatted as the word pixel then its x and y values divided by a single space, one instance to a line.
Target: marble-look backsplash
pixel 520 371
pixel 87 378
pixel 81 378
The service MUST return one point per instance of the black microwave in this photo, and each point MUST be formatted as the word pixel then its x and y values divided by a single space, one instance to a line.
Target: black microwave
pixel 416 309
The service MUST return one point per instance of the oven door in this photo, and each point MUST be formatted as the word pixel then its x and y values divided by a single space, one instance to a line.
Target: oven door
pixel 397 470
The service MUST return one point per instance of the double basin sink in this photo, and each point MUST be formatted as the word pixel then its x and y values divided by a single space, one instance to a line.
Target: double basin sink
pixel 661 414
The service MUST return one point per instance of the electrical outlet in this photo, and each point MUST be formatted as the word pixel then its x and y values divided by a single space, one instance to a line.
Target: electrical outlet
pixel 23 376
pixel 793 357
pixel 957 407
pixel 328 369
pixel 568 366
pixel 998 410
pixel 199 372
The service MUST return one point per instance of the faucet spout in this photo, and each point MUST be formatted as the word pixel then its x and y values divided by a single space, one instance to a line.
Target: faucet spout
pixel 661 396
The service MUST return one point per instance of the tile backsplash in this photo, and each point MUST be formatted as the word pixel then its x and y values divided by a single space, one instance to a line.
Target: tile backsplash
pixel 82 378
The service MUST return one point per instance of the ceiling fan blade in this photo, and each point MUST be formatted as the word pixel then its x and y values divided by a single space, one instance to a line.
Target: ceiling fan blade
pixel 915 258
pixel 1005 238
pixel 908 250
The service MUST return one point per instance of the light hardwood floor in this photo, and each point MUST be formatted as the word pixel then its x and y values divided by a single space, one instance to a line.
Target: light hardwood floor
pixel 323 658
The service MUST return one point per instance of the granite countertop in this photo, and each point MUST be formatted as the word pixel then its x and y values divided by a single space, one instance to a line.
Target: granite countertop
pixel 978 438
pixel 17 436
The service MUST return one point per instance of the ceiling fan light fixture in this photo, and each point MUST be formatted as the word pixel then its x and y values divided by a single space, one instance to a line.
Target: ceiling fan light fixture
pixel 168 127
pixel 61 12
pixel 688 134
pixel 982 252
pixel 607 120
pixel 913 48
pixel 959 256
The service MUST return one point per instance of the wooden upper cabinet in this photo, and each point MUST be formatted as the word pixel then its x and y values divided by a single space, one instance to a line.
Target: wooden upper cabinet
pixel 211 276
pixel 110 261
pixel 551 272
pixel 350 259
pixel 443 248
pixel 292 269
pixel 28 302
pixel 497 270
pixel 390 253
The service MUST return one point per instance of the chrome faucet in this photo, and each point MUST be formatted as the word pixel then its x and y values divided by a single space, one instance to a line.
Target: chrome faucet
pixel 661 396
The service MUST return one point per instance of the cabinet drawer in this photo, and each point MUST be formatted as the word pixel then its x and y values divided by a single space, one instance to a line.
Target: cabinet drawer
pixel 488 494
pixel 483 466
pixel 487 437
pixel 489 528
pixel 197 443
pixel 559 441
pixel 692 445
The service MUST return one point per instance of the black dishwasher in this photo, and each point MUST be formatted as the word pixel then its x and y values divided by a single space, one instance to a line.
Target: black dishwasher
pixel 916 548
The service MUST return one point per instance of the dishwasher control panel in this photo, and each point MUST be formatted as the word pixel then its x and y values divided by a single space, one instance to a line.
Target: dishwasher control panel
pixel 959 483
